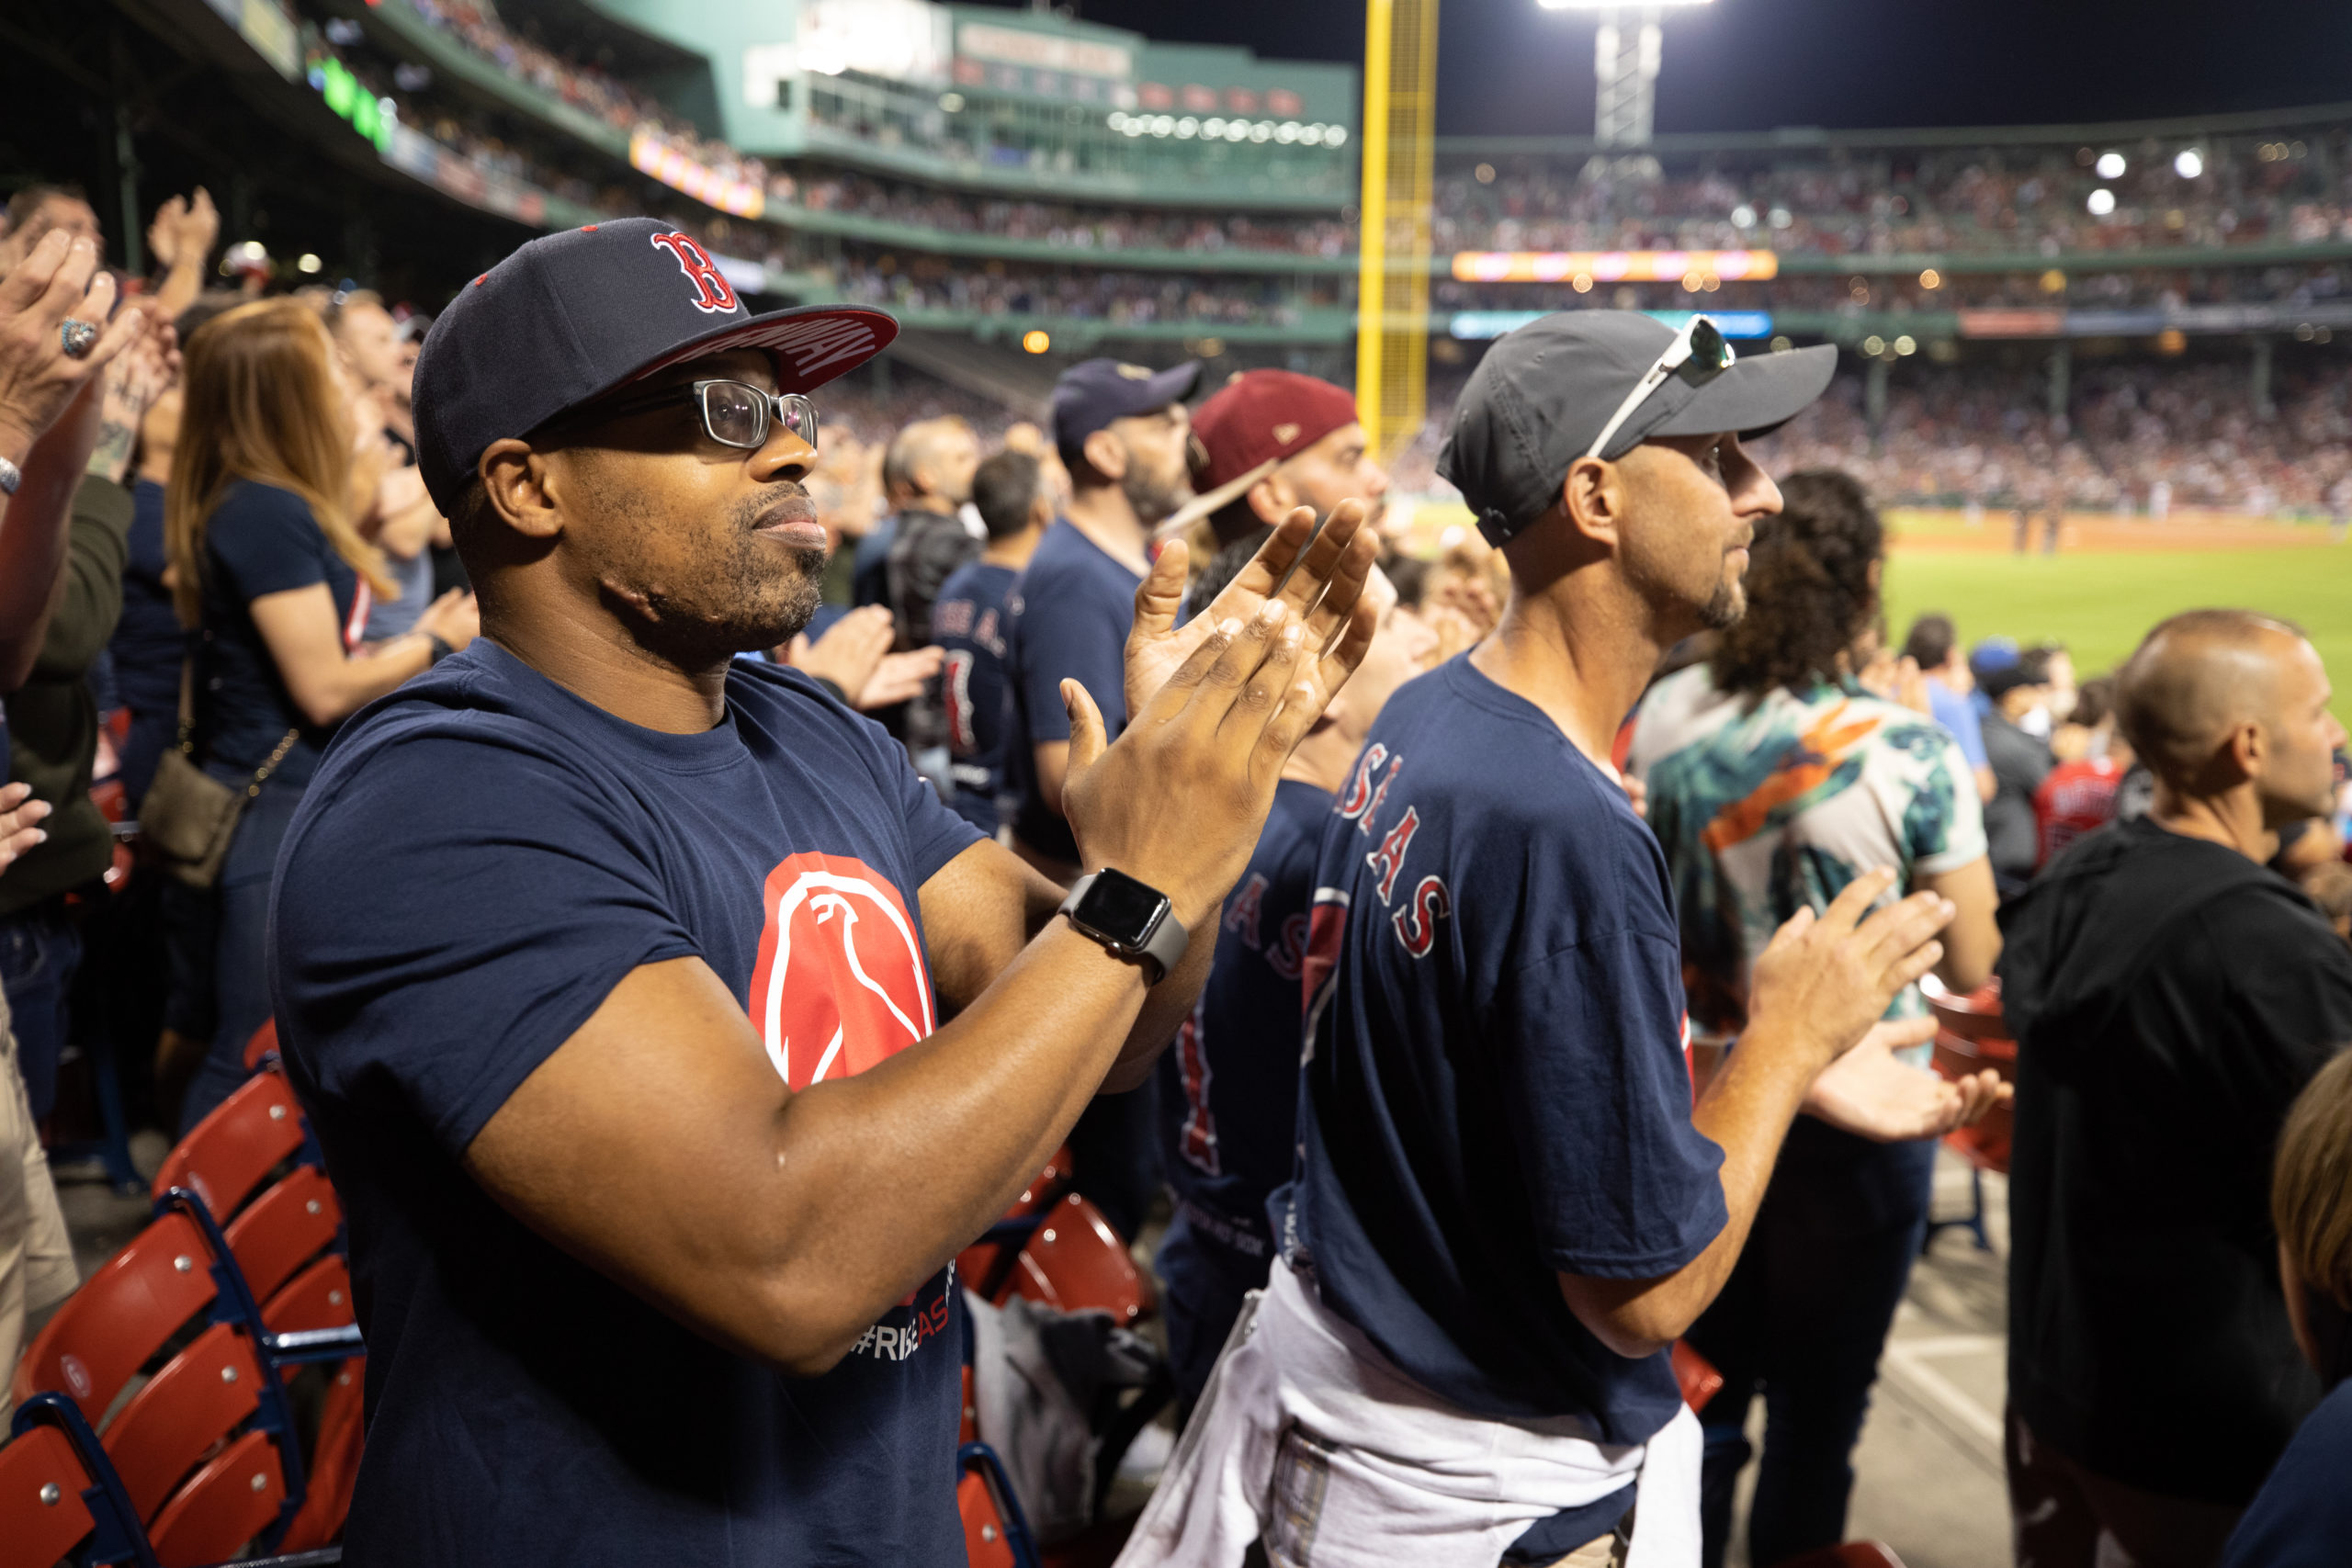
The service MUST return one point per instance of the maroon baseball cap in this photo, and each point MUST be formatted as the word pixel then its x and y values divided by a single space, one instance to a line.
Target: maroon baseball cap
pixel 569 317
pixel 1258 419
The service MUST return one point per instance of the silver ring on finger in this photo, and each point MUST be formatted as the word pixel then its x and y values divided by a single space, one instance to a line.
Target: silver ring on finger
pixel 78 337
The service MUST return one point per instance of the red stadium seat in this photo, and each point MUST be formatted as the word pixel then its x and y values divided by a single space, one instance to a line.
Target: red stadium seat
pixel 263 1045
pixel 319 1297
pixel 995 1535
pixel 982 1266
pixel 334 1465
pixel 185 1411
pixel 120 1317
pixel 1852 1554
pixel 1970 1037
pixel 1695 1376
pixel 1075 1262
pixel 984 1538
pixel 284 1228
pixel 225 1504
pixel 42 1516
pixel 225 1157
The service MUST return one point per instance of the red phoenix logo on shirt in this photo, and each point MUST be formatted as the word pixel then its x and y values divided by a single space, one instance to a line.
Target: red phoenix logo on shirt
pixel 841 983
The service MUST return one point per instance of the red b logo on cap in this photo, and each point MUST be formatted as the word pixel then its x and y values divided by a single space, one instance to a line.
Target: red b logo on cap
pixel 712 291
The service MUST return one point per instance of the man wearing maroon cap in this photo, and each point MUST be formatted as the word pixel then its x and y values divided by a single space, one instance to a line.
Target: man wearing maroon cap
pixel 1270 440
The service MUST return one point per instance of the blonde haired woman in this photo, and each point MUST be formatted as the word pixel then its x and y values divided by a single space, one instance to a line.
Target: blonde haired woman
pixel 270 570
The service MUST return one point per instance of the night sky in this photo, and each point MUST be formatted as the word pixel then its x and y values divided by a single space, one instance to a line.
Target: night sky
pixel 1505 67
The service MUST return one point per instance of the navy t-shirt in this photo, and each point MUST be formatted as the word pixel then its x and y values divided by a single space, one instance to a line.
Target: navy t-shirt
pixel 2303 1516
pixel 523 1408
pixel 1228 1098
pixel 970 621
pixel 261 540
pixel 1496 1091
pixel 147 640
pixel 1073 610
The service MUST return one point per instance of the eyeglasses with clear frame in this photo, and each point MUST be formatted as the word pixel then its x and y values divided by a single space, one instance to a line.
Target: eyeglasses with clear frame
pixel 734 413
pixel 1700 349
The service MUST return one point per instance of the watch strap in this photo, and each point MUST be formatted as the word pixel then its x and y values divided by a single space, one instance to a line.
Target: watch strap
pixel 1165 947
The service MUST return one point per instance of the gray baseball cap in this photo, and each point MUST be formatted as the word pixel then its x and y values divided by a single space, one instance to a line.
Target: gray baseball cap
pixel 1545 391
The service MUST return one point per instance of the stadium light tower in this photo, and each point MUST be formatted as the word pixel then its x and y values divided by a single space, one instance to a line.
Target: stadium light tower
pixel 1625 59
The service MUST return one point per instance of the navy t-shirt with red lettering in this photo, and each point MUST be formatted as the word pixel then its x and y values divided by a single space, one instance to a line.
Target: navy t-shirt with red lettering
pixel 970 619
pixel 521 1408
pixel 1229 1081
pixel 1496 1091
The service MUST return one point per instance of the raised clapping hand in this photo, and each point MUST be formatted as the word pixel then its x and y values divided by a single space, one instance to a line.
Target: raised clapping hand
pixel 1827 980
pixel 1218 705
pixel 59 280
pixel 186 227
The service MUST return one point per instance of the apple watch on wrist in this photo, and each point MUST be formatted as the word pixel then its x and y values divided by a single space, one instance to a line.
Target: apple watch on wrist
pixel 1131 920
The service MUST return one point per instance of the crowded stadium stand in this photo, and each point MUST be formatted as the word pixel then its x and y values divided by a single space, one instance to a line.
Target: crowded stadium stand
pixel 1121 277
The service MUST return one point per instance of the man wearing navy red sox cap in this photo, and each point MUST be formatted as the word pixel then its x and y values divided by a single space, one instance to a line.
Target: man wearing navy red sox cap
pixel 665 1065
pixel 1506 1204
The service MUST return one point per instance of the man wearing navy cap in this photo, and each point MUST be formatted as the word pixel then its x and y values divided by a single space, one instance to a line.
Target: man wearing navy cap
pixel 1506 1206
pixel 1121 430
pixel 664 1065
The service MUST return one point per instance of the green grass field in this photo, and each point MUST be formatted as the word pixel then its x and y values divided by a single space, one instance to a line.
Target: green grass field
pixel 2099 604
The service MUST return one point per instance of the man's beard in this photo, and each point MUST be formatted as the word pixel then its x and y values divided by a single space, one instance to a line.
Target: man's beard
pixel 1725 606
pixel 1152 498
pixel 744 603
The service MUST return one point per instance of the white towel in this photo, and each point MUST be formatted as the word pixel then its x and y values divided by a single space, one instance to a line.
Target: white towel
pixel 1308 1437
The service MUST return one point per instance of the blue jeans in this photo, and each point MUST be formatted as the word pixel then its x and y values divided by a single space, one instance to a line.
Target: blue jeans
pixel 241 957
pixel 39 951
pixel 1802 1321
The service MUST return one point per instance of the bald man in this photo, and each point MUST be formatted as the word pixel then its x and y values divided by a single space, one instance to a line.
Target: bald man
pixel 2169 996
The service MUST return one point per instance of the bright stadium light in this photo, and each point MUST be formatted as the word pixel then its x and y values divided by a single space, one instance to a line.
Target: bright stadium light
pixel 1626 50
pixel 2110 165
pixel 2189 165
pixel 2101 202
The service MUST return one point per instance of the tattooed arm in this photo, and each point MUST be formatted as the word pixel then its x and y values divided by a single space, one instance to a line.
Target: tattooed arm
pixel 136 379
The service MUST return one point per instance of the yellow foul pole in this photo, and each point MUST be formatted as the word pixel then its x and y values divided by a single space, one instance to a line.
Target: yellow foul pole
pixel 1392 273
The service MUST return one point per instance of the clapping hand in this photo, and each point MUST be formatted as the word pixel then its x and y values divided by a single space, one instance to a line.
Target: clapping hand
pixel 854 655
pixel 19 818
pixel 139 376
pixel 59 281
pixel 1868 1093
pixel 1178 801
pixel 185 227
pixel 1157 647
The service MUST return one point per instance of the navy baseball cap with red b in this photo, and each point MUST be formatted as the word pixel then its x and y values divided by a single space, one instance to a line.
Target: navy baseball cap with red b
pixel 569 317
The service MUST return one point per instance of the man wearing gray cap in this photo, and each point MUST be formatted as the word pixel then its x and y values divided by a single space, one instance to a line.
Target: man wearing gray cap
pixel 1506 1206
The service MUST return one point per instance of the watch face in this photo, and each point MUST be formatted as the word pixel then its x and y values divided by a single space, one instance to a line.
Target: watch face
pixel 1121 908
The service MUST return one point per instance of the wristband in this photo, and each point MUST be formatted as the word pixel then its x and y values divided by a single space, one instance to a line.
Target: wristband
pixel 11 477
pixel 441 648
